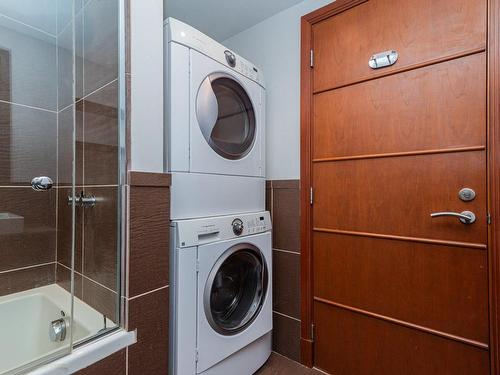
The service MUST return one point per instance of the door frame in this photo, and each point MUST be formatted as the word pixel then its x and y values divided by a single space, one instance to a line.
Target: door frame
pixel 493 175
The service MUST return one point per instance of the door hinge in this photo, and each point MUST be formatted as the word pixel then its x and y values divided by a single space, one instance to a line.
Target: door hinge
pixel 197 266
pixel 488 218
pixel 196 356
pixel 312 332
pixel 311 62
pixel 311 196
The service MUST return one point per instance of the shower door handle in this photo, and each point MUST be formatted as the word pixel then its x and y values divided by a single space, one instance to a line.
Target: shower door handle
pixel 82 200
pixel 42 183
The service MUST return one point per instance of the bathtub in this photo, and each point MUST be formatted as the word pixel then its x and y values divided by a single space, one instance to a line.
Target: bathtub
pixel 24 323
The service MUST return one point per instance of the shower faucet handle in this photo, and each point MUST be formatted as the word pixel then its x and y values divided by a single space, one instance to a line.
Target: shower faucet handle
pixel 42 183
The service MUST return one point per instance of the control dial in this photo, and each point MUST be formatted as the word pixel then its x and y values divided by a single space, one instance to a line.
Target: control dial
pixel 237 226
pixel 230 58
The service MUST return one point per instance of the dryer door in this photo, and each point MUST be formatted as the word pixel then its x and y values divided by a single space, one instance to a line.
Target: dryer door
pixel 235 289
pixel 226 116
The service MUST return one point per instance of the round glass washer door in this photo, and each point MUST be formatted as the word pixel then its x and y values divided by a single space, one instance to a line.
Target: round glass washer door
pixel 235 289
pixel 226 116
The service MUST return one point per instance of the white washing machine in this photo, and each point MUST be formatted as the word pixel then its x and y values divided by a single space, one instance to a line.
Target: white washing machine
pixel 221 295
pixel 214 126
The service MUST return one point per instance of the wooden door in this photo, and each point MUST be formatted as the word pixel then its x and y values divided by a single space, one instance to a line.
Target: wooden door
pixel 388 288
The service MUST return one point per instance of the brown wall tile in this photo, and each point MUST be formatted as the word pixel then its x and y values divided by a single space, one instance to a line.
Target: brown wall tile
pixel 34 65
pixel 286 184
pixel 102 299
pixel 28 240
pixel 269 200
pixel 286 336
pixel 100 237
pixel 64 230
pixel 286 220
pixel 283 200
pixel 5 75
pixel 100 44
pixel 149 239
pixel 115 364
pixel 128 125
pixel 127 37
pixel 149 179
pixel 27 159
pixel 149 315
pixel 69 57
pixel 286 283
pixel 28 278
pixel 69 120
pixel 101 136
pixel 63 279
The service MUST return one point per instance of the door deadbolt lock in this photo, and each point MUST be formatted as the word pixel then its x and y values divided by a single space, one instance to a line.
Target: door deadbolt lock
pixel 467 194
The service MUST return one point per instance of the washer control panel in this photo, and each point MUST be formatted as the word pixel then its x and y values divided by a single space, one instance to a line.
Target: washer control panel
pixel 256 225
pixel 202 231
pixel 237 227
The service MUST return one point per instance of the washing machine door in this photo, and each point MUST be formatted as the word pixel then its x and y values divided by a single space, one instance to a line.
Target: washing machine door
pixel 235 290
pixel 226 116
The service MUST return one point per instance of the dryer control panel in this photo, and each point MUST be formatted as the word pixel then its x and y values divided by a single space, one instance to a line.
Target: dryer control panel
pixel 202 231
pixel 181 33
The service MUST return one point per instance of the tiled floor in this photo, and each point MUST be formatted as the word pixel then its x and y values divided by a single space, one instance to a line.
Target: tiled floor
pixel 279 365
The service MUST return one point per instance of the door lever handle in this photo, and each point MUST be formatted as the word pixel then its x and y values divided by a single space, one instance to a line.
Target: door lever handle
pixel 465 217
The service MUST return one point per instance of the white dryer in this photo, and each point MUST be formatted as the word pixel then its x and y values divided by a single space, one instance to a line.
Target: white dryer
pixel 221 296
pixel 214 126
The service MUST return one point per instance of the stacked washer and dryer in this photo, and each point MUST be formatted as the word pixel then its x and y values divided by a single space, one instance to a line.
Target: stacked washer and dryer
pixel 221 266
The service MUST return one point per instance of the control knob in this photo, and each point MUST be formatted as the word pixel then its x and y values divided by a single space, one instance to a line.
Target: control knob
pixel 237 226
pixel 230 58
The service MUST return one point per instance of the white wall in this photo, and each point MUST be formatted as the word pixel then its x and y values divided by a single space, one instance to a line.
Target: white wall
pixel 274 46
pixel 146 27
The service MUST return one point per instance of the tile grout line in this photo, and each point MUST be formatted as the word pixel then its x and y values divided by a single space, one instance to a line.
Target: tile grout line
pixel 85 96
pixel 149 292
pixel 29 26
pixel 27 106
pixel 88 278
pixel 286 316
pixel 286 251
pixel 27 267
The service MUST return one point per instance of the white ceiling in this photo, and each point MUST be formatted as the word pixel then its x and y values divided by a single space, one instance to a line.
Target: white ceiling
pixel 222 19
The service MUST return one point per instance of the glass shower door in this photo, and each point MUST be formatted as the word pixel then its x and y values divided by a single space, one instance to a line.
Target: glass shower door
pixel 62 153
pixel 37 175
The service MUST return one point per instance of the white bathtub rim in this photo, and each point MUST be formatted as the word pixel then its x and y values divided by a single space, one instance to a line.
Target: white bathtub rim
pixel 88 354
pixel 84 314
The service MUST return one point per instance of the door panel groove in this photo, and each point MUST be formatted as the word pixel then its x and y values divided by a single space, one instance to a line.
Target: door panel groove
pixel 396 196
pixel 470 245
pixel 408 68
pixel 398 154
pixel 463 340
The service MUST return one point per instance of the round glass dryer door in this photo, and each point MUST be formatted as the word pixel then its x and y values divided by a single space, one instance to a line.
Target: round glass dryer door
pixel 235 290
pixel 226 116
